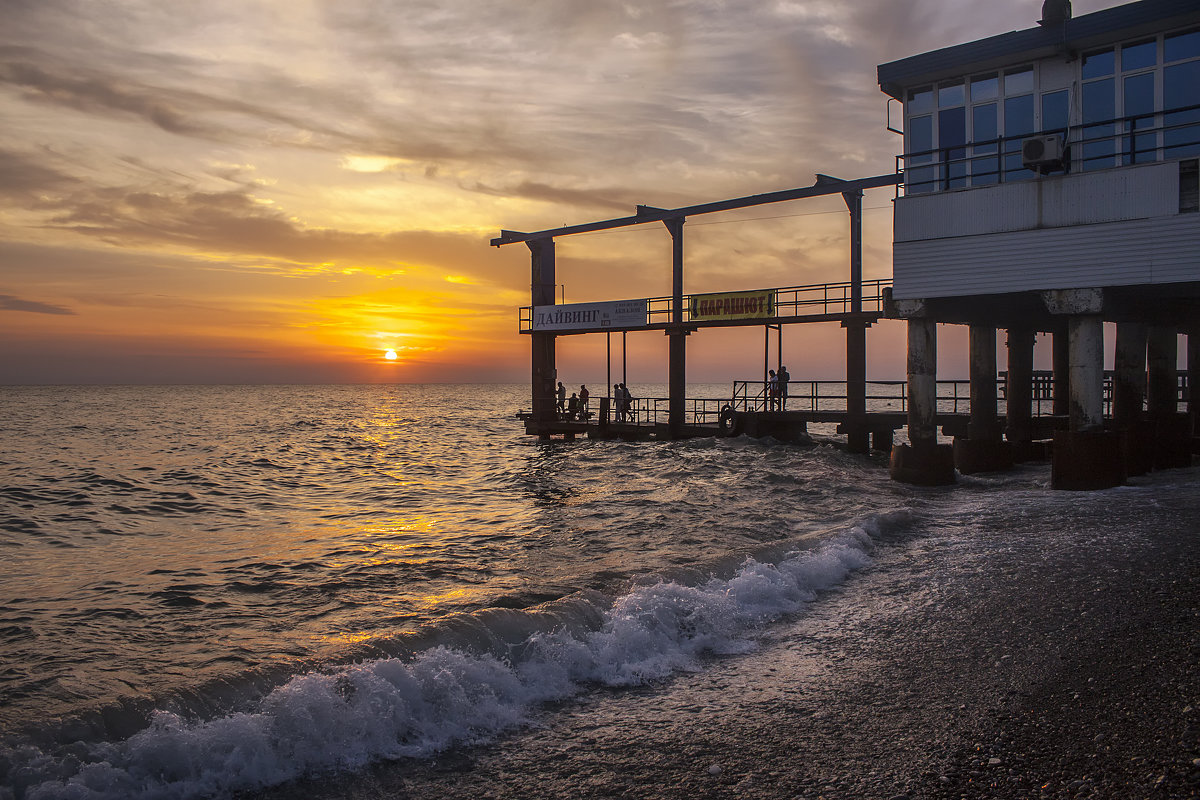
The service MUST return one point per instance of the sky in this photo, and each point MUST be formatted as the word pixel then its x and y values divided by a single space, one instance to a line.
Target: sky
pixel 281 191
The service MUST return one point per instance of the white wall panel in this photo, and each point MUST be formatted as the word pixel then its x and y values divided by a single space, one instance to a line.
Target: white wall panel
pixel 1161 250
pixel 1129 193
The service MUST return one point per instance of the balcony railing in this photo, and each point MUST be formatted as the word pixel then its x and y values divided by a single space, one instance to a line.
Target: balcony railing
pixel 1122 141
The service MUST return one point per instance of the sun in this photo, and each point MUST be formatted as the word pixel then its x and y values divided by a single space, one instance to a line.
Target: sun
pixel 390 355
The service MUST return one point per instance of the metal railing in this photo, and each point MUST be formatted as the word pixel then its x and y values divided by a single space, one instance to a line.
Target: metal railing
pixel 953 397
pixel 788 301
pixel 1100 144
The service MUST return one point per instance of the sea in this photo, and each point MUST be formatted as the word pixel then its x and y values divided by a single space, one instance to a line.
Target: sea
pixel 209 591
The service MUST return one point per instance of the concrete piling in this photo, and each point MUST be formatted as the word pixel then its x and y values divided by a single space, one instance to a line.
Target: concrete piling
pixel 1086 456
pixel 923 461
pixel 1018 429
pixel 983 449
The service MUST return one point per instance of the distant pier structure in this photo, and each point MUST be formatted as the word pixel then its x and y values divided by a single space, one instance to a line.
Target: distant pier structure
pixel 853 303
pixel 1050 184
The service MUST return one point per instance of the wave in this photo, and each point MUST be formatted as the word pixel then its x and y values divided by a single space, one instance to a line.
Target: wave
pixel 462 682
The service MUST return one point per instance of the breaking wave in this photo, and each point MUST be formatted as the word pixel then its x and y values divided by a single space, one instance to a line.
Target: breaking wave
pixel 481 676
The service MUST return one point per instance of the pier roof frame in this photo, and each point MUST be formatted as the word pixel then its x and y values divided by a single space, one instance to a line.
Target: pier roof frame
pixel 825 185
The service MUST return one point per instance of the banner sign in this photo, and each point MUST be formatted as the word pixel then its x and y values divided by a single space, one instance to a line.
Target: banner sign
pixel 587 316
pixel 732 305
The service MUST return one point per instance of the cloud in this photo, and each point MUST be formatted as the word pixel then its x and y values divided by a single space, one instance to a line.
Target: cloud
pixel 22 175
pixel 10 303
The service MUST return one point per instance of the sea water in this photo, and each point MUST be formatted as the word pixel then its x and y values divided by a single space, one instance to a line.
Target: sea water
pixel 215 589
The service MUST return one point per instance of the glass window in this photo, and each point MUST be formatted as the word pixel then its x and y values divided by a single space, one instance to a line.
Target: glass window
pixel 1098 65
pixel 1181 46
pixel 1181 89
pixel 983 133
pixel 920 143
pixel 983 125
pixel 1139 56
pixel 1181 85
pixel 1139 95
pixel 920 101
pixel 952 136
pixel 920 136
pixel 984 87
pixel 1018 124
pixel 951 94
pixel 1055 111
pixel 1018 81
pixel 1139 111
pixel 1099 105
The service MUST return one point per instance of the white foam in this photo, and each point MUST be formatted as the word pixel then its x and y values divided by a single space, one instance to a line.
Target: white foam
pixel 388 708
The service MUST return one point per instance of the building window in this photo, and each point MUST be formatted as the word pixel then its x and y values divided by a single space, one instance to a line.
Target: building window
pixel 919 142
pixel 1134 103
pixel 1099 110
pixel 958 132
pixel 1019 122
pixel 952 134
pixel 1181 95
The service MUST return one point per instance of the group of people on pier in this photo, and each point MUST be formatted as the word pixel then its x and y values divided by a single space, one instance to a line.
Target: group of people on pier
pixel 777 389
pixel 622 402
pixel 576 407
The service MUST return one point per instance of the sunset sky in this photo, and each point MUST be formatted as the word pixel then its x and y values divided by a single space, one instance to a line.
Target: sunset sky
pixel 280 192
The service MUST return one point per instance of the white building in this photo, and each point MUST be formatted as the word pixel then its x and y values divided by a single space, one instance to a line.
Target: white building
pixel 1060 156
pixel 1051 182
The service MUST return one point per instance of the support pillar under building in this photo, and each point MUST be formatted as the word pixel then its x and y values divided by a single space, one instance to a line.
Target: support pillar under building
pixel 1086 456
pixel 1172 430
pixel 922 461
pixel 983 449
pixel 1129 395
pixel 858 437
pixel 1061 371
pixel 1018 429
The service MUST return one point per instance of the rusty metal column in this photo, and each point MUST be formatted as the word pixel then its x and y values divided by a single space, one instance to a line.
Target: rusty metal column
pixel 1019 393
pixel 676 335
pixel 542 294
pixel 857 434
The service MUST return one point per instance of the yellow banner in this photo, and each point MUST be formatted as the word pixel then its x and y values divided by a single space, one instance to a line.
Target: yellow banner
pixel 732 305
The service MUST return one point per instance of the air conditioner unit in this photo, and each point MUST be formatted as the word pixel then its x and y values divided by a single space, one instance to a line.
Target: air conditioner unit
pixel 1042 151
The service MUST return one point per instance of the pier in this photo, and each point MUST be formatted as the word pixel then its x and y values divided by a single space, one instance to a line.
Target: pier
pixel 1016 210
pixel 995 418
pixel 854 304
